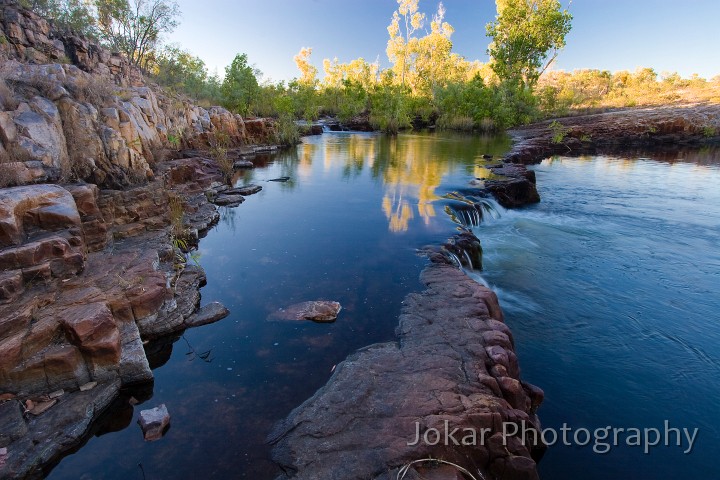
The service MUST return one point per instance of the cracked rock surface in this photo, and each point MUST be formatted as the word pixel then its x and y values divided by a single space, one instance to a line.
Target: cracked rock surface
pixel 453 366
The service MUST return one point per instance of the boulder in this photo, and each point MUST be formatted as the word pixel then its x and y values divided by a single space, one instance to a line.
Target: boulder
pixel 92 328
pixel 154 422
pixel 243 164
pixel 228 200
pixel 35 207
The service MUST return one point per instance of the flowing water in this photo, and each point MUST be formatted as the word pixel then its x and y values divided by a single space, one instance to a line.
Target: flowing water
pixel 610 286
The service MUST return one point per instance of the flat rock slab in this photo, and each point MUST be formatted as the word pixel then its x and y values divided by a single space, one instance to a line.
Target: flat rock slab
pixel 453 367
pixel 210 313
pixel 317 311
pixel 154 422
pixel 229 200
pixel 243 164
pixel 244 190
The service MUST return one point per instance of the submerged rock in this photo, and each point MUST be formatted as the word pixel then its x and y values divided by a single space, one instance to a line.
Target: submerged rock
pixel 154 422
pixel 317 311
pixel 279 179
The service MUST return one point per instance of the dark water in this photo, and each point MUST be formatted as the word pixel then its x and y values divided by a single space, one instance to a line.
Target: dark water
pixel 611 286
pixel 346 227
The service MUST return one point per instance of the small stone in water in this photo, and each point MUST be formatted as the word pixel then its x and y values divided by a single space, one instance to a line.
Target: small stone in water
pixel 154 422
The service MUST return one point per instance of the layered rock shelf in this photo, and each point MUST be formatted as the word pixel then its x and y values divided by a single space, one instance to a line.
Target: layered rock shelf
pixel 453 368
pixel 90 168
pixel 617 131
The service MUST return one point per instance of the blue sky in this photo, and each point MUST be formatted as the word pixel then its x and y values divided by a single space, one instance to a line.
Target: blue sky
pixel 667 35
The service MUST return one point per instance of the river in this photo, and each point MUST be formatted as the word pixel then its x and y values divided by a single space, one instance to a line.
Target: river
pixel 610 286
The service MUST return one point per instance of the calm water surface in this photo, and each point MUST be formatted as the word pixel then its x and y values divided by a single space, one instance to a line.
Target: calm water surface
pixel 610 286
pixel 346 227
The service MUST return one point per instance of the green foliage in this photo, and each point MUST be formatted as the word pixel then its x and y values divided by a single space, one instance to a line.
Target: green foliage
pixel 69 15
pixel 240 88
pixel 390 108
pixel 306 102
pixel 466 105
pixel 347 101
pixel 219 143
pixel 134 27
pixel 709 131
pixel 558 132
pixel 286 131
pixel 180 71
pixel 526 37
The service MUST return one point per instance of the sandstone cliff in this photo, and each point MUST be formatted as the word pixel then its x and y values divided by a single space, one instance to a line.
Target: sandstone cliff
pixel 88 273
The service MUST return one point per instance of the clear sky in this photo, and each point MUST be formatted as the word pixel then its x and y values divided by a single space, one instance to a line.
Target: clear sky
pixel 667 35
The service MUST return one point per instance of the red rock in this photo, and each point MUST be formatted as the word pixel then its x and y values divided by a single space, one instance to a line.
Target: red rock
pixel 45 207
pixel 92 328
pixel 11 286
pixel 147 298
pixel 513 392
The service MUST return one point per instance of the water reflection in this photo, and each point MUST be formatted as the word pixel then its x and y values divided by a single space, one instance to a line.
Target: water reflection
pixel 330 232
pixel 409 167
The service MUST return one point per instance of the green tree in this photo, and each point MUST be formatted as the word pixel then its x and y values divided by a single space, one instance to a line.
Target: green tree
pixel 526 37
pixel 72 15
pixel 240 87
pixel 180 71
pixel 135 27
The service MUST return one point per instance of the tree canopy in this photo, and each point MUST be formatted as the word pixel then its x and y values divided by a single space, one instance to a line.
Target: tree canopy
pixel 240 86
pixel 135 27
pixel 526 37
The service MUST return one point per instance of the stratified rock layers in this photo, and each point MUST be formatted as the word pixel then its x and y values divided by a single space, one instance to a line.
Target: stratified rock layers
pixel 453 367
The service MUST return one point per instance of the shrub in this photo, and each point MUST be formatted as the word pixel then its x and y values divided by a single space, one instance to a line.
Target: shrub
pixel 558 132
pixel 219 142
pixel 92 89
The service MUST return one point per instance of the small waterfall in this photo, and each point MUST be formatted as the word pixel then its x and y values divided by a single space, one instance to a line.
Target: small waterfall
pixel 478 278
pixel 325 128
pixel 469 260
pixel 471 212
pixel 491 208
pixel 455 259
pixel 464 250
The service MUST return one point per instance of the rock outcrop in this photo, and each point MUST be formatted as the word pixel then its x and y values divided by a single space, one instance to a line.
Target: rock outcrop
pixel 89 204
pixel 651 127
pixel 72 109
pixel 453 370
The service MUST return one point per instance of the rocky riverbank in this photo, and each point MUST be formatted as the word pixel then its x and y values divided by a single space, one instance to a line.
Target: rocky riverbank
pixel 98 210
pixel 453 369
pixel 666 127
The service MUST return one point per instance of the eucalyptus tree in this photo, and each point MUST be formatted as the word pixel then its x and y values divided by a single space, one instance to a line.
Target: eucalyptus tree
pixel 135 27
pixel 526 37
